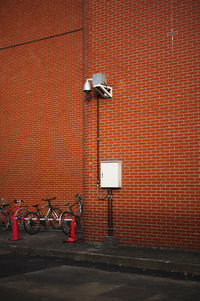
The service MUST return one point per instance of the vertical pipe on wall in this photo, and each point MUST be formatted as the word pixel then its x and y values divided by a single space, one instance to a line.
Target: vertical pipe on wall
pixel 84 39
pixel 109 217
pixel 111 213
pixel 98 139
pixel 84 76
pixel 98 178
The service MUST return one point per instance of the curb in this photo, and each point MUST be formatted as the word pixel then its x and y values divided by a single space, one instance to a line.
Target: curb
pixel 110 260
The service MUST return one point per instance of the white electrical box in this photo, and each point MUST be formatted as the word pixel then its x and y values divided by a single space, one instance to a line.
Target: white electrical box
pixel 111 174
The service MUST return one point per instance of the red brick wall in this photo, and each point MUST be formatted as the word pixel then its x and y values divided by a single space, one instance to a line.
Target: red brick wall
pixel 41 104
pixel 149 52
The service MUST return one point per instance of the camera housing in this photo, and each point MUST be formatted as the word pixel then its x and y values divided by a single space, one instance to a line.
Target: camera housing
pixel 99 82
pixel 87 87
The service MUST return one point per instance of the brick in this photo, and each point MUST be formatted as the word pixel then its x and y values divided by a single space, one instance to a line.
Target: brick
pixel 48 133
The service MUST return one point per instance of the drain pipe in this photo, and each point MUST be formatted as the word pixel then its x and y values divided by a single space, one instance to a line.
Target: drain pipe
pixel 98 139
pixel 111 213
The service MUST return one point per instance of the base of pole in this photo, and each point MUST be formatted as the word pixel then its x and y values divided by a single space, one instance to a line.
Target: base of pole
pixel 109 241
pixel 10 239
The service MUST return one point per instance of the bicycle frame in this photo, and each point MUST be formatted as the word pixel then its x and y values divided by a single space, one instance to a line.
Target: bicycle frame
pixel 78 212
pixel 8 211
pixel 39 210
pixel 47 216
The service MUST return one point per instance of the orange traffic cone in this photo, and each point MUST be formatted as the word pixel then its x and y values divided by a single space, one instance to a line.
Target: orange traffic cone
pixel 15 230
pixel 72 237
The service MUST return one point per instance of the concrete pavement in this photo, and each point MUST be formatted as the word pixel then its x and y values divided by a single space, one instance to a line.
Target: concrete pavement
pixel 54 243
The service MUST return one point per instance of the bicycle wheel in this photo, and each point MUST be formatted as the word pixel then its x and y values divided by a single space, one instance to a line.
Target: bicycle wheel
pixel 65 222
pixel 55 214
pixel 31 223
pixel 4 221
pixel 20 214
pixel 9 215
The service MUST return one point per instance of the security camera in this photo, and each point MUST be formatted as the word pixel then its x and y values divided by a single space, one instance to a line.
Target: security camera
pixel 87 87
pixel 99 83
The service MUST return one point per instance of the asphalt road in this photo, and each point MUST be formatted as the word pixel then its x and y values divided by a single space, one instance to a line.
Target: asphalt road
pixel 37 278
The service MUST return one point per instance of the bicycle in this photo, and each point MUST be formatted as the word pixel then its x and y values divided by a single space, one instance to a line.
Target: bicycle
pixel 4 223
pixel 67 215
pixel 33 220
pixel 6 214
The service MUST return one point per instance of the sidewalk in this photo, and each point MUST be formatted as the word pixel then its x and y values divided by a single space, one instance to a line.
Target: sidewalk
pixel 53 243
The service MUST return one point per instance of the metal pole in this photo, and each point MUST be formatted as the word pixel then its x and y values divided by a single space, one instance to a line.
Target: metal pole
pixel 109 220
pixel 111 213
pixel 98 180
pixel 98 139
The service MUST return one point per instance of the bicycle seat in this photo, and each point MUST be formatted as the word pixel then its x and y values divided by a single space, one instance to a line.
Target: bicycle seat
pixel 36 206
pixel 5 205
pixel 48 200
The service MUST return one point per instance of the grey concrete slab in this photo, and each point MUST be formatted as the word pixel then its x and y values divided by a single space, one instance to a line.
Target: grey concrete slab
pixel 54 244
pixel 84 284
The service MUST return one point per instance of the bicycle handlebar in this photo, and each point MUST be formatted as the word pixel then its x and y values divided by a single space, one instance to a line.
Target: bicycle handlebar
pixel 79 202
pixel 78 196
pixel 18 202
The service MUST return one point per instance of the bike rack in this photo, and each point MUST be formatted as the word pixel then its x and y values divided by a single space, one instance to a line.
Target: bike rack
pixel 44 219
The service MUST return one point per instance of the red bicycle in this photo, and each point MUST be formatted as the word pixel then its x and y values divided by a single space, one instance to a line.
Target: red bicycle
pixel 6 214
